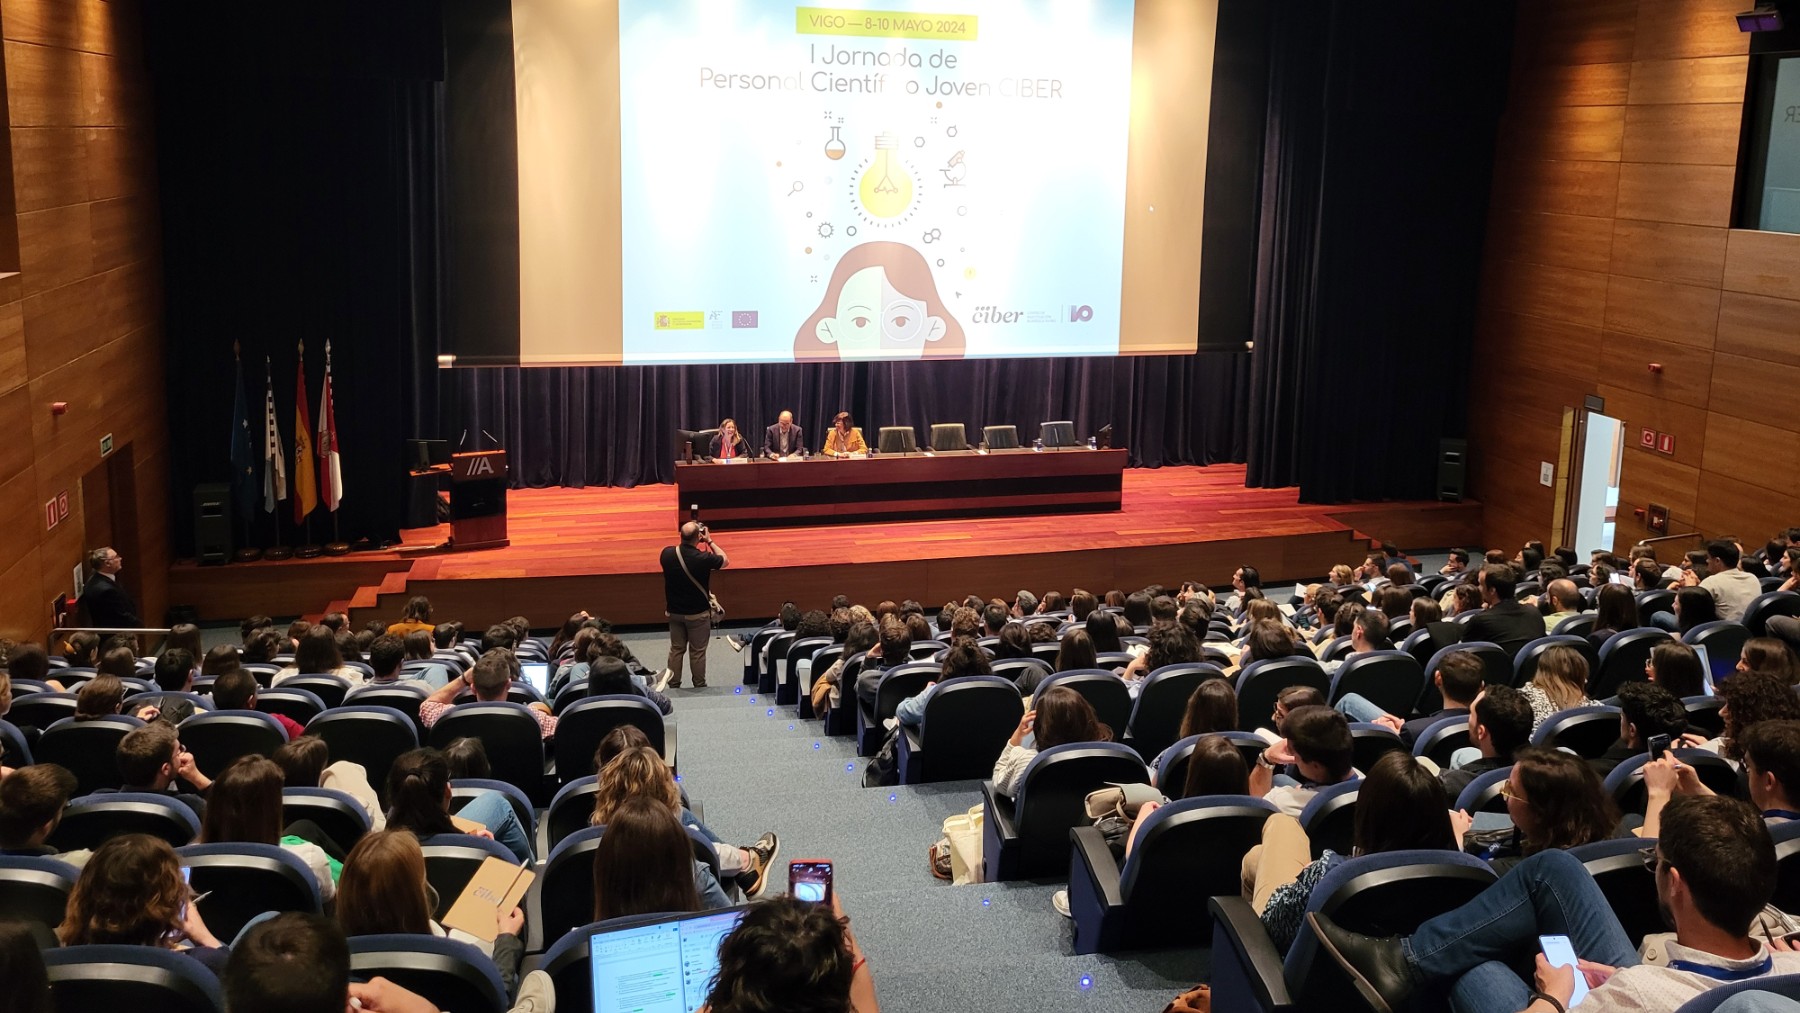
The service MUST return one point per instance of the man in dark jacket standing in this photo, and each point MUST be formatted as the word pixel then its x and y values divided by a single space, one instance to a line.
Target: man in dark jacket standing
pixel 103 600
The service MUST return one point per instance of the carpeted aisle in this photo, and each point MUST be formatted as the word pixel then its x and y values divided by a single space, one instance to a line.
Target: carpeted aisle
pixel 934 947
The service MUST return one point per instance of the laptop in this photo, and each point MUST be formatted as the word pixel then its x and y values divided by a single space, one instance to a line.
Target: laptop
pixel 538 675
pixel 665 966
pixel 1706 667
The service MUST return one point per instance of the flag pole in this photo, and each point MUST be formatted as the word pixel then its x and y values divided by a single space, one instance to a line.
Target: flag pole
pixel 280 550
pixel 245 552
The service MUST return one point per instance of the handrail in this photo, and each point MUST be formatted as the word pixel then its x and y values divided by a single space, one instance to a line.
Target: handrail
pixel 1668 538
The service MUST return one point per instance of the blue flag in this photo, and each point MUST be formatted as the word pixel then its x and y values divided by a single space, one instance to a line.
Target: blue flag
pixel 243 451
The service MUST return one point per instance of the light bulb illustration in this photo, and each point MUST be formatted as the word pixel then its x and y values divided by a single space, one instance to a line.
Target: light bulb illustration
pixel 834 148
pixel 886 188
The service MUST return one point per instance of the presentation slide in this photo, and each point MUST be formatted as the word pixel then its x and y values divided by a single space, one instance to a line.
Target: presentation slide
pixel 892 182
pixel 760 181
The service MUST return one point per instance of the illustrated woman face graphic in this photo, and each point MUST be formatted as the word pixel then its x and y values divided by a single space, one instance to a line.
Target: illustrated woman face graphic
pixel 882 304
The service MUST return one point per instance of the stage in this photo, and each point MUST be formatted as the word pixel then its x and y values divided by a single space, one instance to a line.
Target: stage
pixel 597 549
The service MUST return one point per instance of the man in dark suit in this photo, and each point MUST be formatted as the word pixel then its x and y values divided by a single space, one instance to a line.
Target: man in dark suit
pixel 1503 621
pixel 783 438
pixel 103 600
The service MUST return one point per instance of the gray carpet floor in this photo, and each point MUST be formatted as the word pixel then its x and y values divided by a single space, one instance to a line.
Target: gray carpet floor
pixel 934 947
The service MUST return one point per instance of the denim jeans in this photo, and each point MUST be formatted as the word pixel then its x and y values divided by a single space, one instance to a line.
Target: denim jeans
pixel 492 810
pixel 1481 942
pixel 731 857
pixel 1358 708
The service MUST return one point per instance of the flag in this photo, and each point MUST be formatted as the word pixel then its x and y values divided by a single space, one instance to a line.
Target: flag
pixel 243 447
pixel 306 489
pixel 274 468
pixel 331 476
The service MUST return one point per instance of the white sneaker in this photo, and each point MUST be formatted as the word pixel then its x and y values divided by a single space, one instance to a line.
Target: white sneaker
pixel 1060 901
pixel 663 678
pixel 537 994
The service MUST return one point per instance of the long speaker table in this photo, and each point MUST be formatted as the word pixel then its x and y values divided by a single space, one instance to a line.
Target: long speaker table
pixel 889 487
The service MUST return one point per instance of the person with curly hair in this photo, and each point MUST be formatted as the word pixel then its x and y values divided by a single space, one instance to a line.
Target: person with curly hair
pixel 131 893
pixel 640 772
pixel 789 956
pixel 1750 697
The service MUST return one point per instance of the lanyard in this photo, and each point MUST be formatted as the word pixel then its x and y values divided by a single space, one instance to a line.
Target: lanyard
pixel 1786 814
pixel 1725 973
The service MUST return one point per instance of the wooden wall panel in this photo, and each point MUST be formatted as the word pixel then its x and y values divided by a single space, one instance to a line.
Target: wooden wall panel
pixel 1685 422
pixel 82 321
pixel 1688 314
pixel 1591 133
pixel 1759 327
pixel 1598 31
pixel 1756 389
pixel 1755 452
pixel 1649 477
pixel 1763 263
pixel 1577 296
pixel 1716 79
pixel 1678 29
pixel 1691 194
pixel 1579 242
pixel 1587 84
pixel 1569 188
pixel 1662 251
pixel 1684 134
pixel 1686 376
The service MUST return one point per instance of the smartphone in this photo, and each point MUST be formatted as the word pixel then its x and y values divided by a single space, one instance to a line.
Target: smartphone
pixel 1659 745
pixel 187 872
pixel 693 511
pixel 1561 953
pixel 809 879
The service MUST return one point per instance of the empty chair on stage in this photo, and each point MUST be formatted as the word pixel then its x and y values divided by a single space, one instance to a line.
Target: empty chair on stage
pixel 948 436
pixel 1057 434
pixel 898 440
pixel 1001 437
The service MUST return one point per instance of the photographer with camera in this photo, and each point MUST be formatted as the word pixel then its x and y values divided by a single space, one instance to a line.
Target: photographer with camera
pixel 688 602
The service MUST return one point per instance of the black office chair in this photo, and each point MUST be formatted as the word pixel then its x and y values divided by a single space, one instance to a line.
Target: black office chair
pixel 948 436
pixel 371 736
pixel 240 881
pixel 897 440
pixel 1057 434
pixel 448 974
pixel 87 749
pixel 511 735
pixel 216 738
pixel 1028 835
pixel 142 979
pixel 583 725
pixel 1001 437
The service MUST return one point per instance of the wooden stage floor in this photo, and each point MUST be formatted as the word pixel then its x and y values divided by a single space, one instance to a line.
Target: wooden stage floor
pixel 597 549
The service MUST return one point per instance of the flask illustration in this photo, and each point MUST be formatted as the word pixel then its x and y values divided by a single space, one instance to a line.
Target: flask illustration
pixel 834 148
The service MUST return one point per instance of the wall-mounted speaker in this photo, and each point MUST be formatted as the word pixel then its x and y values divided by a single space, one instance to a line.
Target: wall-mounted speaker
pixel 1452 469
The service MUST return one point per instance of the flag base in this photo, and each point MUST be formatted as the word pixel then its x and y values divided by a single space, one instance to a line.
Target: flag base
pixel 337 548
pixel 277 553
pixel 308 552
pixel 247 554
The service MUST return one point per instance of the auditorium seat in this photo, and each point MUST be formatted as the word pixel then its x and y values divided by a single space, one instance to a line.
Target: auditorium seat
pixel 569 811
pixel 1391 893
pixel 1442 738
pixel 1770 603
pixel 26 687
pixel 1625 783
pixel 1057 434
pixel 582 726
pixel 14 752
pixel 1391 680
pixel 1329 819
pixel 1186 852
pixel 1649 603
pixel 821 663
pixel 1724 643
pixel 1161 703
pixel 463 789
pixel 451 861
pixel 568 961
pixel 518 691
pixel 1703 713
pixel 1013 669
pixel 787 674
pixel 342 817
pixel 1785 985
pixel 777 650
pixel 1104 691
pixel 897 440
pixel 142 979
pixel 1577 625
pixel 327 687
pixel 216 738
pixel 92 820
pixel 1622 659
pixel 404 697
pixel 1368 741
pixel 1261 682
pixel 1048 651
pixel 1526 662
pixel 896 685
pixel 263 672
pixel 512 737
pixel 1001 437
pixel 1496 670
pixel 87 749
pixel 1483 793
pixel 966 724
pixel 753 649
pixel 448 974
pixel 566 885
pixel 1336 649
pixel 40 710
pixel 1027 836
pixel 297 705
pixel 35 890
pixel 1172 764
pixel 242 881
pixel 1586 731
pixel 1618 870
pixel 842 718
pixel 948 436
pixel 371 736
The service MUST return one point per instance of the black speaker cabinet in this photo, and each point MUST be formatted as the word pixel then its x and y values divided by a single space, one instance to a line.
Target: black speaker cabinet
pixel 1453 457
pixel 212 523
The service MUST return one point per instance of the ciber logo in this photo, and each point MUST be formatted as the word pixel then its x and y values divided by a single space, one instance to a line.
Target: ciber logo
pixel 1080 314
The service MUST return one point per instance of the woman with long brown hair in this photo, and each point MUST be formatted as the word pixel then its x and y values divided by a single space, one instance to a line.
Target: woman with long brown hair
pixel 643 864
pixel 131 893
pixel 244 807
pixel 1061 716
pixel 639 772
pixel 384 891
pixel 1556 801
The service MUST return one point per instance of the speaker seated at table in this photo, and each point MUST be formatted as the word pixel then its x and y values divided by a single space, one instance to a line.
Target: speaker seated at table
pixel 1057 434
pixel 948 436
pixel 897 440
pixel 1001 437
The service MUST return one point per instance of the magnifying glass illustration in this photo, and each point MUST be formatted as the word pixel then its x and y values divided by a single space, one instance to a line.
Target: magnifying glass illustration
pixel 798 186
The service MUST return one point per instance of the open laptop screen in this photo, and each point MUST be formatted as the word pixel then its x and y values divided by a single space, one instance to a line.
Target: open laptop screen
pixel 662 967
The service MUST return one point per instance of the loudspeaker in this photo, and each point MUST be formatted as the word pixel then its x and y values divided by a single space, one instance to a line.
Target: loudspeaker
pixel 1453 458
pixel 212 523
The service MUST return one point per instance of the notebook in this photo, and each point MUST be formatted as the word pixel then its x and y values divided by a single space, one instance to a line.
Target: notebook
pixel 666 966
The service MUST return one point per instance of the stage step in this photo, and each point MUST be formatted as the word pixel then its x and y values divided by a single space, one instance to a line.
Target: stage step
pixel 394 583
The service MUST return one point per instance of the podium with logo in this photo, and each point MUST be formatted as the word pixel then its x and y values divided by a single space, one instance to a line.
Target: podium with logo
pixel 478 500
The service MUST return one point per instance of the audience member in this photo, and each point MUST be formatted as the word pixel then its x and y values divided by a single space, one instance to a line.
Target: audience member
pixel 416 616
pixel 1059 717
pixel 1502 620
pixel 1750 698
pixel 419 800
pixel 1211 707
pixel 1615 611
pixel 639 772
pixel 644 863
pixel 32 800
pixel 317 653
pixel 174 677
pixel 22 968
pixel 236 690
pixel 300 963
pixel 1769 654
pixel 859 639
pixel 305 763
pixel 1555 800
pixel 789 956
pixel 99 697
pixel 1731 588
pixel 1646 709
pixel 1500 723
pixel 1559 683
pixel 1564 600
pixel 893 646
pixel 1169 645
pixel 244 807
pixel 489 679
pixel 1676 667
pixel 151 760
pixel 610 677
pixel 961 660
pixel 1076 652
pixel 1458 680
pixel 131 893
pixel 1317 746
pixel 1693 606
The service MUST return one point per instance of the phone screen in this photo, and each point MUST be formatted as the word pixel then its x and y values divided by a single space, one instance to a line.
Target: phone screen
pixel 1561 953
pixel 1659 744
pixel 810 880
pixel 187 872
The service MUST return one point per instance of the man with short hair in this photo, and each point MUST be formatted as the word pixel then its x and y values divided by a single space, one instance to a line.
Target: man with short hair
pixel 174 675
pixel 32 800
pixel 1459 682
pixel 1499 724
pixel 1502 620
pixel 491 677
pixel 104 600
pixel 151 760
pixel 1565 601
pixel 893 648
pixel 993 619
pixel 1456 565
pixel 236 691
pixel 687 570
pixel 1715 870
pixel 1732 588
pixel 1024 604
pixel 385 655
pixel 1320 750
pixel 784 439
pixel 1646 709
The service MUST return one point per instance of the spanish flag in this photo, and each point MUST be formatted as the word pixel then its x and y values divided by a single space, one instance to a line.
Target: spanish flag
pixel 306 488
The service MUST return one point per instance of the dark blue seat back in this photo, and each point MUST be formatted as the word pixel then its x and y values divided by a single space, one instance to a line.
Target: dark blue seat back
pixel 1770 603
pixel 1172 764
pixel 87 749
pixel 1104 691
pixel 35 891
pixel 331 689
pixel 92 820
pixel 967 723
pixel 143 979
pixel 1368 741
pixel 216 738
pixel 509 732
pixel 241 881
pixel 1054 789
pixel 297 705
pixel 571 809
pixel 1186 852
pixel 1625 782
pixel 1391 680
pixel 582 726
pixel 1622 660
pixel 1442 738
pixel 404 697
pixel 40 710
pixel 1483 793
pixel 1724 643
pixel 451 861
pixel 1577 625
pixel 14 752
pixel 567 891
pixel 1525 665
pixel 1588 731
pixel 371 736
pixel 1618 870
pixel 340 816
pixel 1329 818
pixel 448 974
pixel 1261 682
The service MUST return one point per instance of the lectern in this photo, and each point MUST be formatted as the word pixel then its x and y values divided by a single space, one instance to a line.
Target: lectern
pixel 478 500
